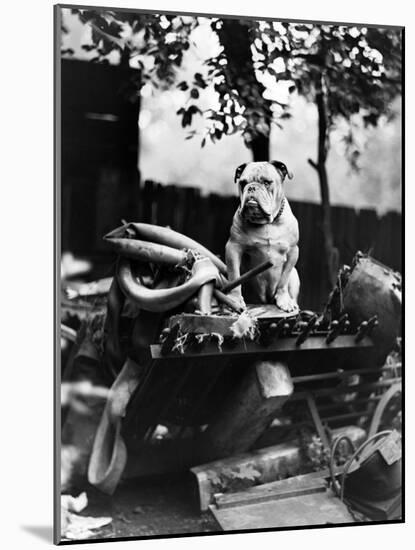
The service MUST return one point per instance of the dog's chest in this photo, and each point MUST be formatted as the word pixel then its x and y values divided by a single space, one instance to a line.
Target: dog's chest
pixel 269 239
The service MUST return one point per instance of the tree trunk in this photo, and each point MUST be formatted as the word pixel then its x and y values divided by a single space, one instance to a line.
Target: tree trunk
pixel 236 41
pixel 331 252
pixel 260 147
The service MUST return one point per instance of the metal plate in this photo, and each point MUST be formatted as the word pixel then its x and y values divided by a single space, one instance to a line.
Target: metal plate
pixel 305 510
pixel 391 449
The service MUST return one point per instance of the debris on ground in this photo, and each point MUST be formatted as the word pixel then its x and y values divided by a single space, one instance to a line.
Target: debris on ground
pixel 74 526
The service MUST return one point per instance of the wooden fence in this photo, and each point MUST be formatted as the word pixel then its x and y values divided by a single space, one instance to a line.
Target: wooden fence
pixel 207 218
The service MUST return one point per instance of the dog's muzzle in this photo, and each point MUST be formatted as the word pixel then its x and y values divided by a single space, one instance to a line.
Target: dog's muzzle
pixel 257 204
pixel 254 213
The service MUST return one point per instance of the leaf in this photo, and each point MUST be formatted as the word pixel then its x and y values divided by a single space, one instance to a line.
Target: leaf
pixel 193 109
pixel 200 81
pixel 194 93
pixel 187 119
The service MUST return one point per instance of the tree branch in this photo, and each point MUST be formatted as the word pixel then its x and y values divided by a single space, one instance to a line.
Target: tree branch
pixel 119 42
pixel 313 164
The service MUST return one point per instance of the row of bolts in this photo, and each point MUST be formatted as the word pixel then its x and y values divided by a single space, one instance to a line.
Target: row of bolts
pixel 275 330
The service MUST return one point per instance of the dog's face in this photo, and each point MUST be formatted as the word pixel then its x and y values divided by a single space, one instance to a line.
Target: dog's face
pixel 261 190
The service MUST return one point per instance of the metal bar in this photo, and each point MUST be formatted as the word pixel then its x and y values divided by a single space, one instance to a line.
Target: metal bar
pixel 227 300
pixel 329 406
pixel 380 409
pixel 332 391
pixel 339 374
pixel 246 276
pixel 244 347
pixel 305 333
pixel 366 327
pixel 317 420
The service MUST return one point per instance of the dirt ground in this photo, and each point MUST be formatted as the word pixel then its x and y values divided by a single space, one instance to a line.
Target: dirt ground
pixel 162 506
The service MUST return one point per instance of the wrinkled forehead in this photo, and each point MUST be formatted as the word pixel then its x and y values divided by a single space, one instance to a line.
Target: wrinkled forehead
pixel 260 171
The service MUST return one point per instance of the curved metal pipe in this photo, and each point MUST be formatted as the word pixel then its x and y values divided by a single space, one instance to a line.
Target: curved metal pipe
pixel 145 251
pixel 158 300
pixel 165 236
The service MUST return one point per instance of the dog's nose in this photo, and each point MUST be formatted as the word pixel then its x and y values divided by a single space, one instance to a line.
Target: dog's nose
pixel 251 189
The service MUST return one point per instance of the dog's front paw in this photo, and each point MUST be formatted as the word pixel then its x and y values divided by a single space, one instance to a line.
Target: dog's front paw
pixel 284 301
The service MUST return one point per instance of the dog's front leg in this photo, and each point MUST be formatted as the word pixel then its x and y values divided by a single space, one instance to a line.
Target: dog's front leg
pixel 282 297
pixel 233 257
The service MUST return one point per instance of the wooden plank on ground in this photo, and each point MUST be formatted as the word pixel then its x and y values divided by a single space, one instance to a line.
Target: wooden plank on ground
pixel 306 484
pixel 316 509
pixel 256 467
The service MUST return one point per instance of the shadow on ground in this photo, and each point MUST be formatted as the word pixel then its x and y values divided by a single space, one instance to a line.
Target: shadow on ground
pixel 44 533
pixel 163 506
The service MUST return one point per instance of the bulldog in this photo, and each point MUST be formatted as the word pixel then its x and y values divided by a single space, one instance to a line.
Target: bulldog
pixel 264 228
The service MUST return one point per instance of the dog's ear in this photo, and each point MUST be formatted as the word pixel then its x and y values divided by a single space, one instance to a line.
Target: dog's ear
pixel 280 166
pixel 239 171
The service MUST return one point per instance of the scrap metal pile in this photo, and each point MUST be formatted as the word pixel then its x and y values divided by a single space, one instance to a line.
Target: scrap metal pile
pixel 159 270
pixel 178 351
